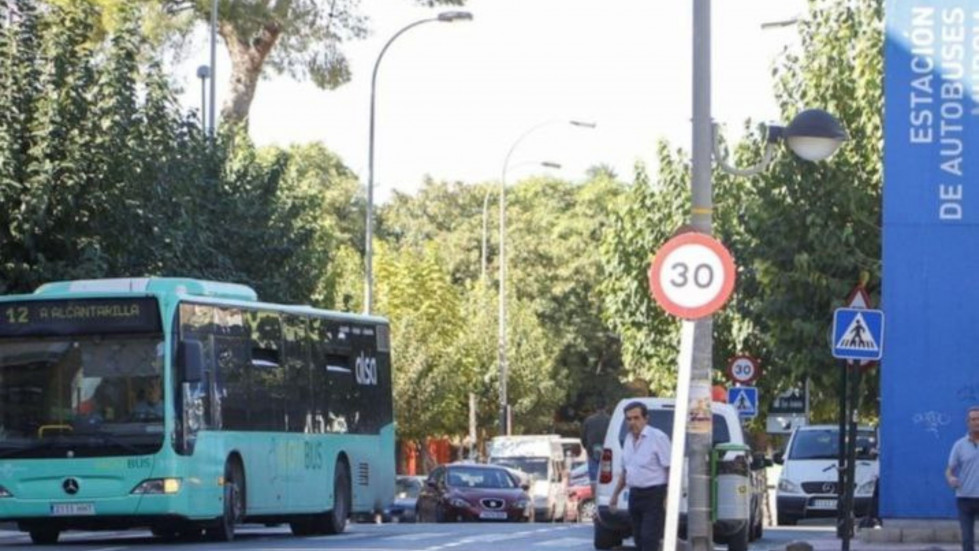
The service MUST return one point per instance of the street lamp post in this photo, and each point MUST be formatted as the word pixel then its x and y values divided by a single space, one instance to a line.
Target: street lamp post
pixel 482 272
pixel 213 69
pixel 501 337
pixel 444 17
pixel 813 135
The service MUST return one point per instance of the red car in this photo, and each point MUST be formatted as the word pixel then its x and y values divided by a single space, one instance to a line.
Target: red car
pixel 581 504
pixel 472 492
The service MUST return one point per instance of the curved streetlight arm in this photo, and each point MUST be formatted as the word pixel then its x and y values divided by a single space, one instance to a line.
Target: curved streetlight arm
pixel 774 135
pixel 444 17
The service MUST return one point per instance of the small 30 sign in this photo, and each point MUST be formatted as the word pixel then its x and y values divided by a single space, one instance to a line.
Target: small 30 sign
pixel 743 369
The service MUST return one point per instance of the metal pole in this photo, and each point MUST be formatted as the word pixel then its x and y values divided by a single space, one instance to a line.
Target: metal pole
pixel 851 458
pixel 841 449
pixel 214 69
pixel 369 237
pixel 699 527
pixel 482 272
pixel 501 330
pixel 504 426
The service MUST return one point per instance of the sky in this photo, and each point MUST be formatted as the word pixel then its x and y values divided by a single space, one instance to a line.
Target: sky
pixel 452 99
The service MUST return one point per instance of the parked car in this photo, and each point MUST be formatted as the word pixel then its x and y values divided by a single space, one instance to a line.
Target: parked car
pixel 611 528
pixel 472 492
pixel 581 503
pixel 406 490
pixel 807 485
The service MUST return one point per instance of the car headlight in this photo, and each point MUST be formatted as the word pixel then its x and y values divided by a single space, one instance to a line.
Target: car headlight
pixel 787 486
pixel 459 502
pixel 521 503
pixel 867 488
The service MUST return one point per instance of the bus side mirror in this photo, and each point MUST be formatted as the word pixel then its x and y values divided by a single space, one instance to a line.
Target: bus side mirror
pixel 190 355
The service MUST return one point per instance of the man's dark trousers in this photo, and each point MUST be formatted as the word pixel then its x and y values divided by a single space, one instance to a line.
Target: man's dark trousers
pixel 648 515
pixel 968 511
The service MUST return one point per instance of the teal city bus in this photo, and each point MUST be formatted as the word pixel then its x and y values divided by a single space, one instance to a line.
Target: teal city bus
pixel 188 407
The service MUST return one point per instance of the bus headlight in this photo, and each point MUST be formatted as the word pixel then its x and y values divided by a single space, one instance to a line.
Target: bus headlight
pixel 158 486
pixel 5 492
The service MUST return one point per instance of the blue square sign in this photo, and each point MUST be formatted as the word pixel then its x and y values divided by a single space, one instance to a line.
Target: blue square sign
pixel 744 399
pixel 858 334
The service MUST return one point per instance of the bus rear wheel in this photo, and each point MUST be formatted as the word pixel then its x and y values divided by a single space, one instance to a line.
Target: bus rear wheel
pixel 44 536
pixel 336 519
pixel 234 504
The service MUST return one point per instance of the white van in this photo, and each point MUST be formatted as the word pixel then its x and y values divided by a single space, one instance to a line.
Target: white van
pixel 542 458
pixel 807 485
pixel 612 528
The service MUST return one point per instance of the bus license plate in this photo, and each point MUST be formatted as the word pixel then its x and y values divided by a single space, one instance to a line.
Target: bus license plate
pixel 493 515
pixel 72 509
pixel 823 504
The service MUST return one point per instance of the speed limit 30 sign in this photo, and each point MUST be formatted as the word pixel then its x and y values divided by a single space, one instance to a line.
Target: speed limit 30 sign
pixel 692 276
pixel 743 369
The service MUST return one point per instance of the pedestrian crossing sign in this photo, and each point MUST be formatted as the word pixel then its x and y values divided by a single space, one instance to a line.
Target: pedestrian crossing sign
pixel 858 334
pixel 744 399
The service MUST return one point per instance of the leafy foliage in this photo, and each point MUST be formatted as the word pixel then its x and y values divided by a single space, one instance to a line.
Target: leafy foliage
pixel 100 176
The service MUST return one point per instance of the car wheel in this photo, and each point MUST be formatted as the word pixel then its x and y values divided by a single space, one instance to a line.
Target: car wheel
pixel 739 540
pixel 605 538
pixel 787 520
pixel 587 510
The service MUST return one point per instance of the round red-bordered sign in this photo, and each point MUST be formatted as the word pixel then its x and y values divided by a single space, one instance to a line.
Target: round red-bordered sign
pixel 692 275
pixel 743 369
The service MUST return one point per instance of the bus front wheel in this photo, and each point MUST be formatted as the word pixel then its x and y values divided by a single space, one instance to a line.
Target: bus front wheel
pixel 336 519
pixel 234 504
pixel 45 536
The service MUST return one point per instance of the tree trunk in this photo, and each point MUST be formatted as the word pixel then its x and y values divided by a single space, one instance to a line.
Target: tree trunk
pixel 247 58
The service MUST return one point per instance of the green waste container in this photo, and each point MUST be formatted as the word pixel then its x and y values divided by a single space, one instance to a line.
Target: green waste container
pixel 730 482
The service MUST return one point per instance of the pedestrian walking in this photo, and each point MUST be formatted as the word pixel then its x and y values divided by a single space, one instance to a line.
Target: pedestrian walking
pixel 593 436
pixel 645 470
pixel 962 474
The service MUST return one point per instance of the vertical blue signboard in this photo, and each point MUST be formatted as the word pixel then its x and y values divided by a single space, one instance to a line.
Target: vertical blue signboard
pixel 930 374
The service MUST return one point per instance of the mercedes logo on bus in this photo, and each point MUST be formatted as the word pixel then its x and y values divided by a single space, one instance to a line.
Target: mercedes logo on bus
pixel 70 486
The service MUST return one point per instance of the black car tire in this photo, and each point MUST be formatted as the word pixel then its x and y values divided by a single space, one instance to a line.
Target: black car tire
pixel 738 541
pixel 787 520
pixel 605 538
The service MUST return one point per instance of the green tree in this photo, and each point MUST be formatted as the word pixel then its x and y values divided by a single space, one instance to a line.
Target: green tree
pixel 101 176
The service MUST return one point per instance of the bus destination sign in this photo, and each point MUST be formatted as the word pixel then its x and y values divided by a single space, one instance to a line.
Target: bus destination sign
pixel 79 317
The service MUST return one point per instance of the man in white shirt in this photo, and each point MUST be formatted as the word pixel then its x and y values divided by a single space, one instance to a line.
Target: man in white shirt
pixel 646 470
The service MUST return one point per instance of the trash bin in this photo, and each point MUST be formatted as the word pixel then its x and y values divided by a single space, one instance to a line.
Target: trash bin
pixel 731 483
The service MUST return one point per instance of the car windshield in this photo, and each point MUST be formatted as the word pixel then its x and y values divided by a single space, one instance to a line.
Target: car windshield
pixel 663 420
pixel 535 466
pixel 479 477
pixel 825 444
pixel 407 487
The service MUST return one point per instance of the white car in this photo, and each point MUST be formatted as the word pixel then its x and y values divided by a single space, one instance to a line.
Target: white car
pixel 611 528
pixel 807 485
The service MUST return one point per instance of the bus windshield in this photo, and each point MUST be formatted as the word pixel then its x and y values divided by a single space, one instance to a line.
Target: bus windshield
pixel 89 396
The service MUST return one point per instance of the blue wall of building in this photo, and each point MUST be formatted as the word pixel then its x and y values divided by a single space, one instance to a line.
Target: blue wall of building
pixel 930 371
